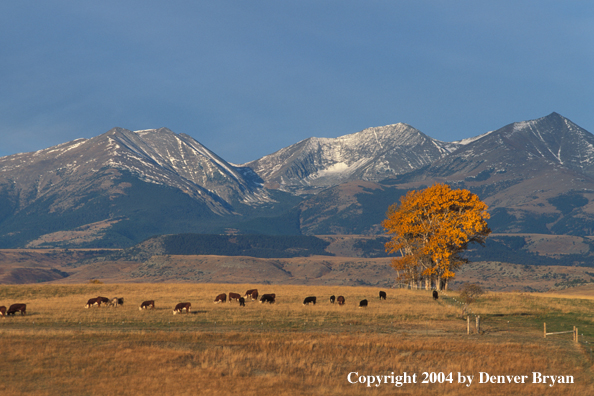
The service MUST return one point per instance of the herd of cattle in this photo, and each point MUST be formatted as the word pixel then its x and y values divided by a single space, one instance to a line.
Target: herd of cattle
pixel 252 294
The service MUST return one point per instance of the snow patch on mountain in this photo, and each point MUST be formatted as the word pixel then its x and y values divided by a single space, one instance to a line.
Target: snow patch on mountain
pixel 467 141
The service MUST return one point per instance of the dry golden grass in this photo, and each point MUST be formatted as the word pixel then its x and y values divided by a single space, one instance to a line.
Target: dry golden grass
pixel 61 348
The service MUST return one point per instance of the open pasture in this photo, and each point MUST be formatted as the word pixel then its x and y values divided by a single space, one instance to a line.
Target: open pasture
pixel 285 348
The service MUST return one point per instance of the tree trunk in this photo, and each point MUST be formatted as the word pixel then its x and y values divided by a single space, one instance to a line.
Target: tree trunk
pixel 438 283
pixel 445 285
pixel 428 283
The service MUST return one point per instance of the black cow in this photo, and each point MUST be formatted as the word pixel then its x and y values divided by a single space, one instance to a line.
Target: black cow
pixel 269 298
pixel 309 300
pixel 340 300
pixel 362 303
pixel 382 295
pixel 435 295
pixel 241 302
pixel 14 308
pixel 332 299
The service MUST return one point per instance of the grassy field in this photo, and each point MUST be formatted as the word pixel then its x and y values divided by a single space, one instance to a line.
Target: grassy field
pixel 61 348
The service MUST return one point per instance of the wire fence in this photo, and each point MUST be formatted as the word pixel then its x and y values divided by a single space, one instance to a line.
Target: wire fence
pixel 586 343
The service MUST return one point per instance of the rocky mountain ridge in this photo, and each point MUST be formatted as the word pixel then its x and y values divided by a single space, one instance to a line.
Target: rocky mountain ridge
pixel 536 176
pixel 156 156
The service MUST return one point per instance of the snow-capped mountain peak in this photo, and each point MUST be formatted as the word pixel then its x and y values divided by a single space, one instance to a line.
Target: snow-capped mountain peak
pixel 372 154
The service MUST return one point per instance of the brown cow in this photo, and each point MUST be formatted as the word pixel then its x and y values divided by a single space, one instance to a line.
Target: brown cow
pixel 3 311
pixel 14 308
pixel 93 301
pixel 220 298
pixel 252 293
pixel 340 300
pixel 104 300
pixel 269 298
pixel 181 306
pixel 234 296
pixel 147 304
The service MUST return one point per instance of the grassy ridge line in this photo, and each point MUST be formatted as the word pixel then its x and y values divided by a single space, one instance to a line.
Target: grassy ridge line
pixel 284 348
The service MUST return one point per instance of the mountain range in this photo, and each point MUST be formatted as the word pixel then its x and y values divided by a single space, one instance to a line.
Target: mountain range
pixel 121 187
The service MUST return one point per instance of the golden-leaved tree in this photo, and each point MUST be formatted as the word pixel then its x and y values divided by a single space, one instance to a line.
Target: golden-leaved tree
pixel 430 229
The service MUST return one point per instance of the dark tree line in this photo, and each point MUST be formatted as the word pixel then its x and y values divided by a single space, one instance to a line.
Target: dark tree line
pixel 264 246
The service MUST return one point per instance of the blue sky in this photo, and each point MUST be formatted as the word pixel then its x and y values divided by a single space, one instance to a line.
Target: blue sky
pixel 246 78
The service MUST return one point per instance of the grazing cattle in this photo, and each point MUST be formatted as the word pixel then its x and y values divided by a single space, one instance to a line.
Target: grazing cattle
pixel 220 298
pixel 241 302
pixel 14 308
pixel 340 300
pixel 309 300
pixel 332 299
pixel 382 295
pixel 234 296
pixel 104 300
pixel 435 295
pixel 252 293
pixel 362 303
pixel 2 311
pixel 181 306
pixel 269 298
pixel 147 304
pixel 93 301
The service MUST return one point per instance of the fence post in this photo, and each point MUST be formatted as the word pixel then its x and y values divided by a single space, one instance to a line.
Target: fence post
pixel 545 329
pixel 478 324
pixel 468 325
